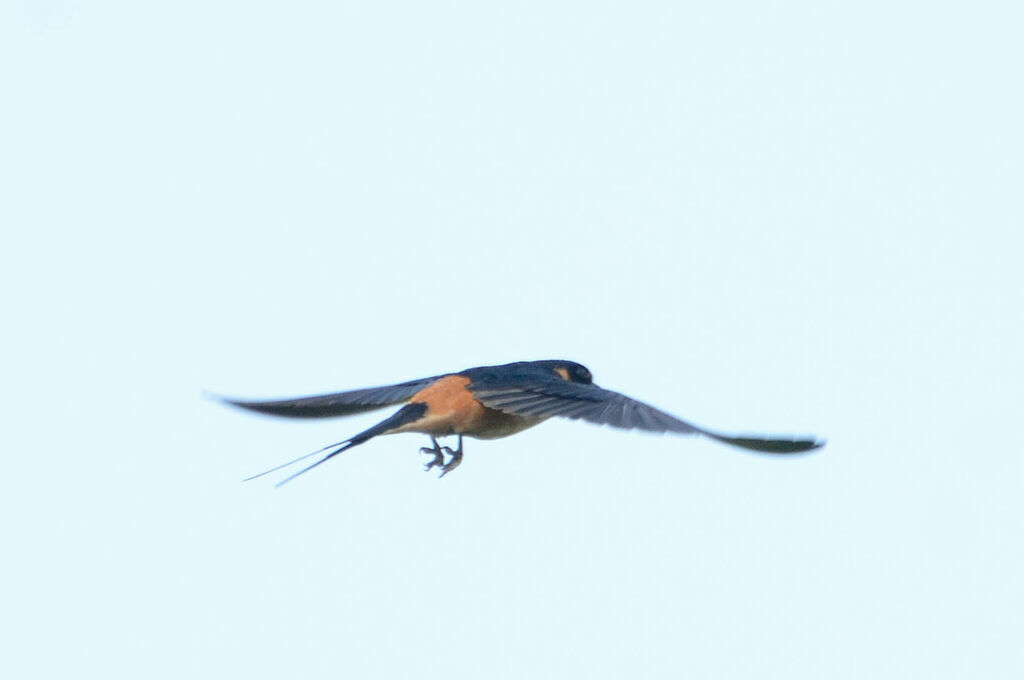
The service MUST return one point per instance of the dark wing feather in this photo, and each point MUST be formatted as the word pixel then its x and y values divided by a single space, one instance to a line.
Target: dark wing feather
pixel 546 399
pixel 339 404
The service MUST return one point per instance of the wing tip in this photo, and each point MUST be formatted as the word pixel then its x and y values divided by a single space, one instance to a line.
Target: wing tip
pixel 271 408
pixel 228 401
pixel 806 445
pixel 773 445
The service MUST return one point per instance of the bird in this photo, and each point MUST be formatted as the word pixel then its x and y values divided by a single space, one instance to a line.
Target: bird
pixel 490 402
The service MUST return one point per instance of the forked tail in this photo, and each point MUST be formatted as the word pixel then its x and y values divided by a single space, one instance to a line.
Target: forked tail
pixel 405 415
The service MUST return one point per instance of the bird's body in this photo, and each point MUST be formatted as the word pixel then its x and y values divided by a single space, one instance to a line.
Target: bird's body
pixel 452 409
pixel 489 402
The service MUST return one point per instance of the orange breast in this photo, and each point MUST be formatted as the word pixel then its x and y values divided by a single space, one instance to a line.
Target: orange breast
pixel 452 409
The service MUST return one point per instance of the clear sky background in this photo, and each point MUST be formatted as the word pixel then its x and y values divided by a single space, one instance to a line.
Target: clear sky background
pixel 765 217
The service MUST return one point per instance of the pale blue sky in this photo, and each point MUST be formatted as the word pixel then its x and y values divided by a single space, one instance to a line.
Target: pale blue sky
pixel 790 217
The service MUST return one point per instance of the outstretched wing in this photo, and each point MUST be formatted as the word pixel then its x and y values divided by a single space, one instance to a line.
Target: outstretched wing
pixel 338 404
pixel 555 397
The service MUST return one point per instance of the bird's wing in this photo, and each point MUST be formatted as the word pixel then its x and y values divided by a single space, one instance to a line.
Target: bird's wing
pixel 338 404
pixel 545 399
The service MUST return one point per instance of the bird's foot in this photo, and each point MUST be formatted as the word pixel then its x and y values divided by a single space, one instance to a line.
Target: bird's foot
pixel 436 451
pixel 454 462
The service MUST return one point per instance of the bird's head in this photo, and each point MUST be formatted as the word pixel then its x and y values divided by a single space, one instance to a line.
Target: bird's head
pixel 573 372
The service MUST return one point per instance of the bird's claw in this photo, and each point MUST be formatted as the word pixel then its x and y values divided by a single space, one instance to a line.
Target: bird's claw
pixel 438 451
pixel 438 458
pixel 456 459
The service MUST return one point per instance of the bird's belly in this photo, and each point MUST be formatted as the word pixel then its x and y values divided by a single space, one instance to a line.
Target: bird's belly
pixel 495 425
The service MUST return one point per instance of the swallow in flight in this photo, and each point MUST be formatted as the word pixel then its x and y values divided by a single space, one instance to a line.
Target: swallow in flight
pixel 489 402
